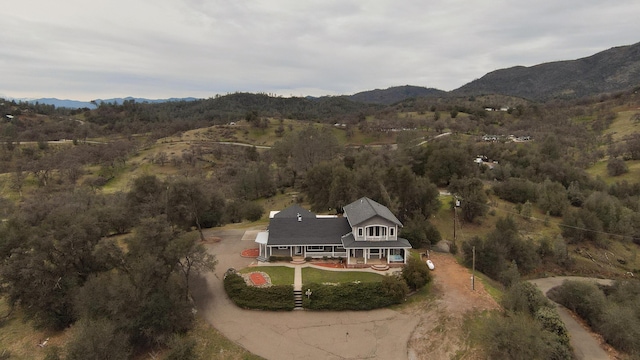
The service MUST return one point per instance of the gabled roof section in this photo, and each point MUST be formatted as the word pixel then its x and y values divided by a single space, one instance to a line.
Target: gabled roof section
pixel 365 208
pixel 293 211
pixel 309 231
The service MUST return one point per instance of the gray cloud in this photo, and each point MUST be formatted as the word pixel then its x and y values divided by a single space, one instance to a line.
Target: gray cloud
pixel 166 48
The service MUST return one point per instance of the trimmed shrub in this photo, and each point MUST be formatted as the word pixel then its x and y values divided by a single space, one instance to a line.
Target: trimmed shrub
pixel 353 296
pixel 275 258
pixel 394 286
pixel 277 297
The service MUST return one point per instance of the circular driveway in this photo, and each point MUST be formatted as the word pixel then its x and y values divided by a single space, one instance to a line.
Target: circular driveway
pixel 377 334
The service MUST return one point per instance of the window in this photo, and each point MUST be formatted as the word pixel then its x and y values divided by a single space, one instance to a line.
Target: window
pixel 360 232
pixel 283 247
pixel 315 248
pixel 391 231
pixel 376 232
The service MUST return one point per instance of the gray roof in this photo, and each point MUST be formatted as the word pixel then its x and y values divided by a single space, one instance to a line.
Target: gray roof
pixel 287 231
pixel 293 211
pixel 365 208
pixel 349 242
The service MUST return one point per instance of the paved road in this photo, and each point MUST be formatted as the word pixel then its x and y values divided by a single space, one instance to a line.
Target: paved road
pixel 377 334
pixel 585 345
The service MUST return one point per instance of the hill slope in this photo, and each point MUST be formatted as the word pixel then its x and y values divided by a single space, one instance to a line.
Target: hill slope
pixel 611 70
pixel 394 94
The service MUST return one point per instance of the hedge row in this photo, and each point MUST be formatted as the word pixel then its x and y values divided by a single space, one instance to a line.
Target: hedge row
pixel 351 296
pixel 277 297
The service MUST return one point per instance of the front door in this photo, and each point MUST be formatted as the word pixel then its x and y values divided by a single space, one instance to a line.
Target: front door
pixel 297 250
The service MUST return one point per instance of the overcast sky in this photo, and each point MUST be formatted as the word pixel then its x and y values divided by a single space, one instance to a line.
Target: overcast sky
pixel 89 49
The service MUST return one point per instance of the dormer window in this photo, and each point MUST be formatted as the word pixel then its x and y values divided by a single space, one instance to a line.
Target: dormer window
pixel 376 232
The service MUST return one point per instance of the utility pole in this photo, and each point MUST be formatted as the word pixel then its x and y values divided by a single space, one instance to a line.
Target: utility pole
pixel 456 203
pixel 454 224
pixel 473 270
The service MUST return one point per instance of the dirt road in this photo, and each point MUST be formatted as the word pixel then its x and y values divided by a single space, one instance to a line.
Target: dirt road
pixel 439 334
pixel 586 345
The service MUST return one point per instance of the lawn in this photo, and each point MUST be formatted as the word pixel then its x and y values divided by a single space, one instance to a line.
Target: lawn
pixel 280 275
pixel 312 275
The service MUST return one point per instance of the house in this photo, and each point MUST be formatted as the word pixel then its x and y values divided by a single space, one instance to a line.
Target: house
pixel 367 234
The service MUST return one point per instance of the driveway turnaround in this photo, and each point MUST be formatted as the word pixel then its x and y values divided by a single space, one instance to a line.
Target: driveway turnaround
pixel 585 345
pixel 376 334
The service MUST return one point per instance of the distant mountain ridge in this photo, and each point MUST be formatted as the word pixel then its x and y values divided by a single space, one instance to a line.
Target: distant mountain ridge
pixel 613 70
pixel 76 104
pixel 616 69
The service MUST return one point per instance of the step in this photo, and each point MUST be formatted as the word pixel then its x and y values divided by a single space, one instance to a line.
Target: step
pixel 297 300
pixel 380 267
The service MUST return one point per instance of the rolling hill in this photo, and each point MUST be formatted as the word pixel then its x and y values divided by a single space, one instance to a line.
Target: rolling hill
pixel 395 94
pixel 613 70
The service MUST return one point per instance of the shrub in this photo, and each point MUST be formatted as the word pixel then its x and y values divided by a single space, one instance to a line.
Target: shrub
pixel 394 287
pixel 181 348
pixel 620 327
pixel 275 258
pixel 524 297
pixel 517 336
pixel 550 320
pixel 252 211
pixel 97 340
pixel 516 190
pixel 353 296
pixel 616 167
pixel 416 273
pixel 583 298
pixel 277 297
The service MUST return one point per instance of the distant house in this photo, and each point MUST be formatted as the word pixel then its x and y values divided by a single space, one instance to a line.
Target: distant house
pixel 366 235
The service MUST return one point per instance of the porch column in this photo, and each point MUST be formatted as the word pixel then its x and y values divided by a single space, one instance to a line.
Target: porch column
pixel 405 255
pixel 365 254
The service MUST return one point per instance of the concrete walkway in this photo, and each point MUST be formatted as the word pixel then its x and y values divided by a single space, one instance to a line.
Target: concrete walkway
pixel 297 278
pixel 585 345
